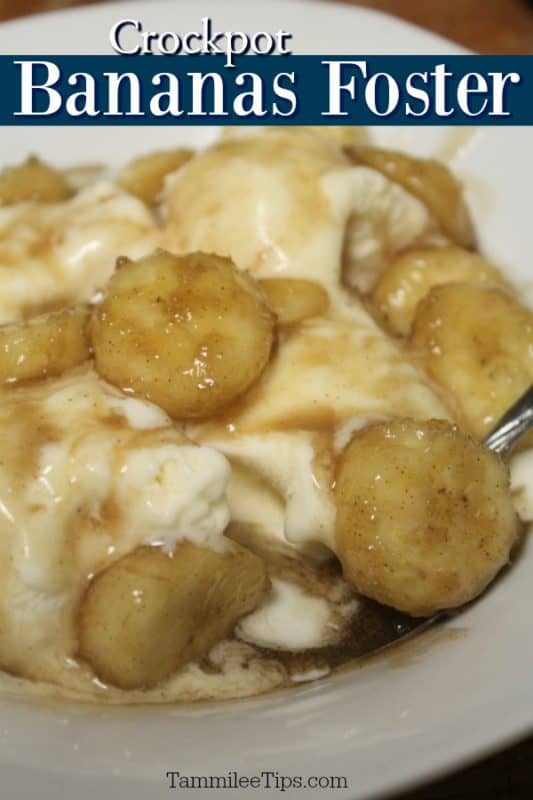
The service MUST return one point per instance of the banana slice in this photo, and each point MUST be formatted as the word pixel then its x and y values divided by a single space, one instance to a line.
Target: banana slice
pixel 294 300
pixel 144 176
pixel 425 517
pixel 415 272
pixel 44 346
pixel 190 333
pixel 152 612
pixel 429 180
pixel 32 180
pixel 476 342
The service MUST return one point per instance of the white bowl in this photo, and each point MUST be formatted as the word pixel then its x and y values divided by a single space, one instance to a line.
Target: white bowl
pixel 409 715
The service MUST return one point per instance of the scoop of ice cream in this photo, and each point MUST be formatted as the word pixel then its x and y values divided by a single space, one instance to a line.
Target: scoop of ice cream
pixel 87 475
pixel 291 204
pixel 261 200
pixel 329 376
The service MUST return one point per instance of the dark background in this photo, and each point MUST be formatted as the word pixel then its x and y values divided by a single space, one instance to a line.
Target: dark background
pixel 486 26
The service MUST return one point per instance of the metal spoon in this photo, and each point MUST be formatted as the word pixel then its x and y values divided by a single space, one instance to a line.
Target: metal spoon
pixel 512 425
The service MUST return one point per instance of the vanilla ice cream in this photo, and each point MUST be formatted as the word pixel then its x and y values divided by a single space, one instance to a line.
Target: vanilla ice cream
pixel 52 254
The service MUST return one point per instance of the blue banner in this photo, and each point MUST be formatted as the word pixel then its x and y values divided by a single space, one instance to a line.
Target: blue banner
pixel 266 90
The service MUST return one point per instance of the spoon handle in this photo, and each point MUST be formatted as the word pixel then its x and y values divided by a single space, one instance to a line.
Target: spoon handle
pixel 512 425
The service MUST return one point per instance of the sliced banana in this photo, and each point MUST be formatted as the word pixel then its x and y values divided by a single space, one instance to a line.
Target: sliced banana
pixel 144 176
pixel 32 180
pixel 44 346
pixel 413 273
pixel 152 612
pixel 190 333
pixel 429 180
pixel 477 342
pixel 425 517
pixel 294 300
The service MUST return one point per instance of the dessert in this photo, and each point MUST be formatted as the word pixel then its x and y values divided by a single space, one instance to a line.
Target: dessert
pixel 243 393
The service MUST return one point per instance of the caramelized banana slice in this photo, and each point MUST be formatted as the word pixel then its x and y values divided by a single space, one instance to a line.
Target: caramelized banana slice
pixel 477 342
pixel 44 346
pixel 151 612
pixel 294 300
pixel 144 176
pixel 425 518
pixel 190 333
pixel 429 180
pixel 415 272
pixel 32 180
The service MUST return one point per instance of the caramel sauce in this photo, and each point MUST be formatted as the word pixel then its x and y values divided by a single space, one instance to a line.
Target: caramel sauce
pixel 34 309
pixel 209 189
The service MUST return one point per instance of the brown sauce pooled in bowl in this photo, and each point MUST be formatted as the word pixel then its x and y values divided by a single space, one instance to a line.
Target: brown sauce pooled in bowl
pixel 371 628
